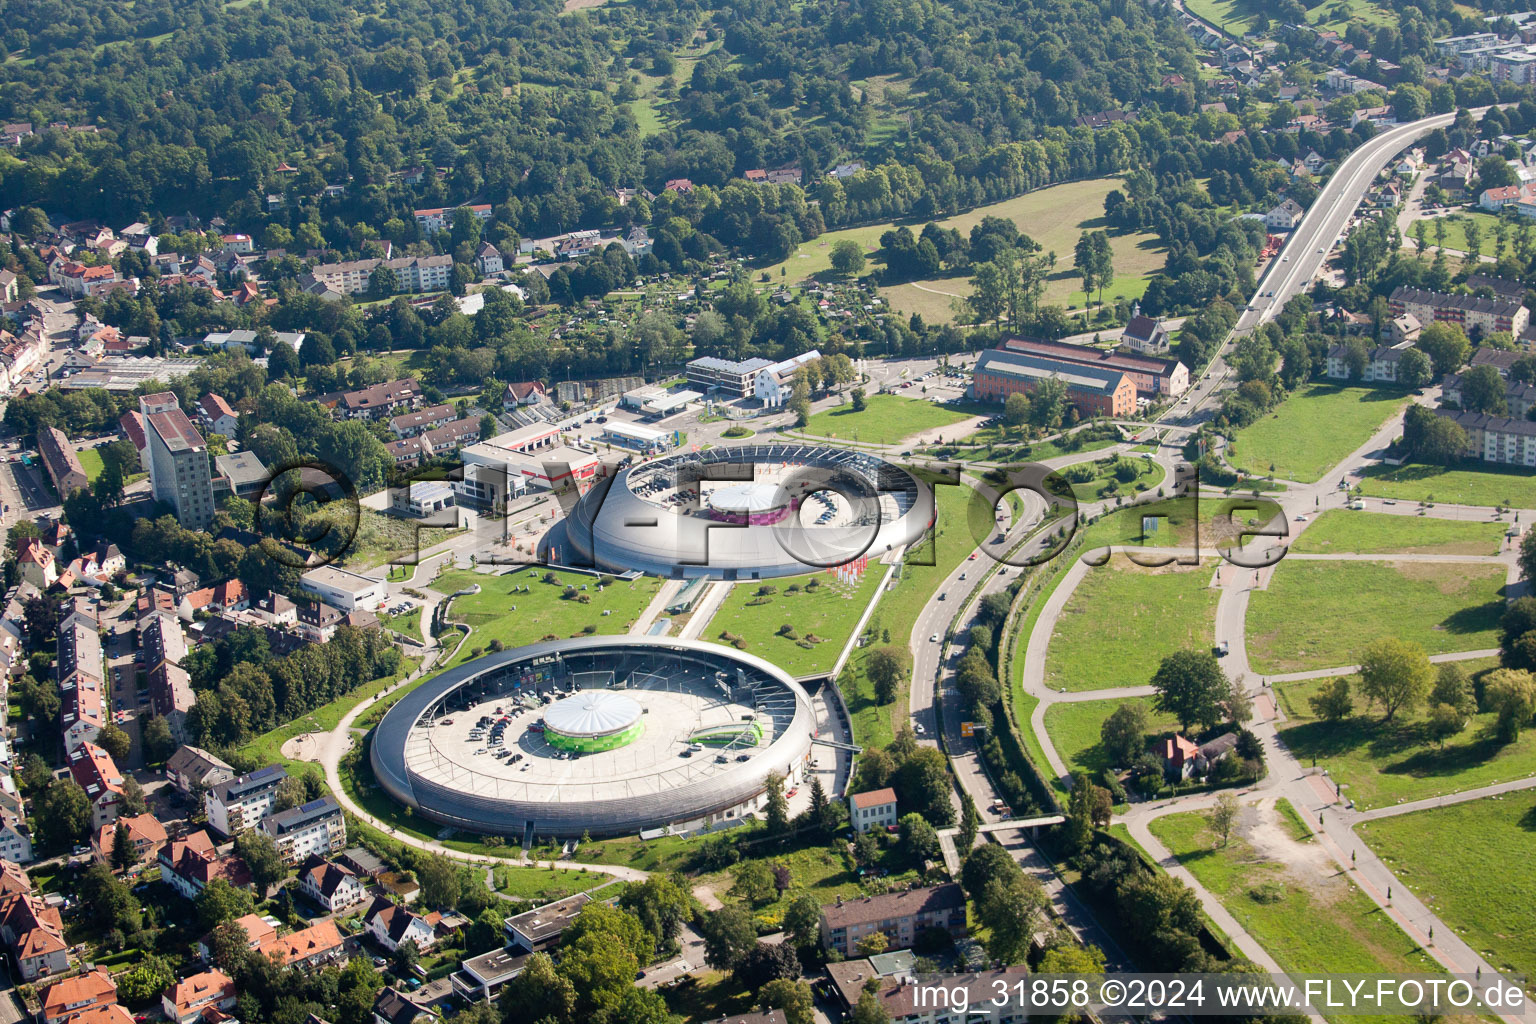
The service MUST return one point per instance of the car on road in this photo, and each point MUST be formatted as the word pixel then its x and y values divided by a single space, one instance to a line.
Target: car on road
pixel 1301 519
pixel 934 638
pixel 1285 259
pixel 1321 251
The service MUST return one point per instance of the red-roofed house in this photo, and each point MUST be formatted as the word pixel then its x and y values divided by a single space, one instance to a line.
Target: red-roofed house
pixel 188 865
pixel 313 946
pixel 186 999
pixel 257 931
pixel 34 932
pixel 218 416
pixel 1179 756
pixel 522 392
pixel 875 809
pixel 72 996
pixel 37 563
pixel 97 774
pixel 106 1013
pixel 391 926
pixel 145 833
pixel 330 885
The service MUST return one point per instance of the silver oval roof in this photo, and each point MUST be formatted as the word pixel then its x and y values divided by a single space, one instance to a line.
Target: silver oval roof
pixel 592 713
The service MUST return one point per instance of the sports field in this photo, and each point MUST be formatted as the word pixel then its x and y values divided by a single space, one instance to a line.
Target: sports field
pixel 886 419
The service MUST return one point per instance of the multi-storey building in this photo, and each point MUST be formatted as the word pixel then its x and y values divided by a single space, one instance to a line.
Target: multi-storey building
pixel 177 456
pixel 313 828
pixel 730 375
pixel 1499 439
pixel 96 773
pixel 242 802
pixel 1475 315
pixel 60 460
pixel 899 915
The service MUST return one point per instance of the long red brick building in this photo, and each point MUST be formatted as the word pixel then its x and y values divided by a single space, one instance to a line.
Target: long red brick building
pixel 1093 390
pixel 1152 376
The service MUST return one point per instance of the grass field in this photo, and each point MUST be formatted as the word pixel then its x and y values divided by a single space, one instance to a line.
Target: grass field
pixel 827 612
pixel 1123 620
pixel 1053 216
pixel 1456 232
pixel 1338 530
pixel 1514 488
pixel 407 623
pixel 90 461
pixel 1074 729
pixel 1319 614
pixel 1458 860
pixel 823 872
pixel 1313 920
pixel 503 611
pixel 886 419
pixel 1312 430
pixel 1236 16
pixel 543 884
pixel 1379 765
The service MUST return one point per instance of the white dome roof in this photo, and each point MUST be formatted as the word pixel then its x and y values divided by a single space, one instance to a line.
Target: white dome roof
pixel 748 498
pixel 592 713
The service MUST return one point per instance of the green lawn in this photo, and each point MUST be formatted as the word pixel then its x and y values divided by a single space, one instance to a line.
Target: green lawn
pixel 822 618
pixel 1379 764
pixel 1319 614
pixel 1313 430
pixel 502 611
pixel 1055 217
pixel 1123 620
pixel 1074 729
pixel 1366 533
pixel 1494 485
pixel 1148 475
pixel 407 623
pixel 1236 16
pixel 886 419
pixel 90 461
pixel 1456 232
pixel 1312 921
pixel 1462 861
pixel 544 884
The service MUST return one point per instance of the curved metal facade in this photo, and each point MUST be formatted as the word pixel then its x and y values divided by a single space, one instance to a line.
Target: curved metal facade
pixel 617 529
pixel 570 814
